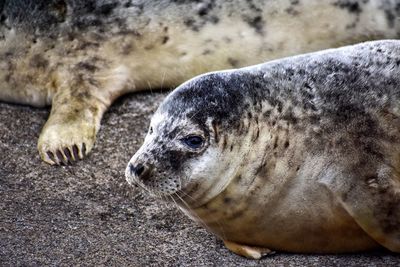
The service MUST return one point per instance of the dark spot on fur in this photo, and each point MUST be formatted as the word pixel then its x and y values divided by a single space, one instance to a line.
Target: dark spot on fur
pixel 257 23
pixel 126 49
pixel 292 11
pixel 290 117
pixel 86 66
pixel 233 62
pixel 213 19
pixel 391 18
pixel 215 129
pixel 205 8
pixel 7 77
pixel 267 113
pixel 190 23
pixel 227 200
pixel 257 134
pixel 149 47
pixel 224 142
pixel 84 95
pixel 286 145
pixel 106 9
pixel 279 107
pixel 228 40
pixel 253 6
pixel 165 40
pixel 236 215
pixel 275 142
pixel 83 45
pixel 59 8
pixel 38 61
pixel 206 52
pixel 350 6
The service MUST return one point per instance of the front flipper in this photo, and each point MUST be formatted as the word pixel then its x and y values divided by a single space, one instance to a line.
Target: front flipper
pixel 77 109
pixel 248 251
pixel 70 132
pixel 373 200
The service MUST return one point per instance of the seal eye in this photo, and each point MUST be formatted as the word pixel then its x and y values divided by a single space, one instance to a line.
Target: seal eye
pixel 151 130
pixel 193 141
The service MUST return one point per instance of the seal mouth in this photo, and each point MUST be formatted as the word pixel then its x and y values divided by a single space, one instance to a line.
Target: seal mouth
pixel 159 187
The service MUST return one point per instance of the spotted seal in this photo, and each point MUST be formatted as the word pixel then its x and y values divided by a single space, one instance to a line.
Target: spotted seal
pixel 300 154
pixel 80 55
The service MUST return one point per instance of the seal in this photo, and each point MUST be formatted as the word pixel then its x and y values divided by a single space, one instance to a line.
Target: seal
pixel 80 55
pixel 300 154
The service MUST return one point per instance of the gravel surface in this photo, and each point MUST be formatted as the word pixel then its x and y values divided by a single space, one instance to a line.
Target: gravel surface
pixel 87 215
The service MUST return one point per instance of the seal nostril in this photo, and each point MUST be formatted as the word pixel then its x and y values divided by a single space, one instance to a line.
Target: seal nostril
pixel 138 170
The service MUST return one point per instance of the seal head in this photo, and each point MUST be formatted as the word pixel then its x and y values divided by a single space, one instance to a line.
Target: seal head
pixel 181 156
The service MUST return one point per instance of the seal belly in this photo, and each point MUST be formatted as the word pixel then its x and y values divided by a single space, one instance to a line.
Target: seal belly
pixel 305 223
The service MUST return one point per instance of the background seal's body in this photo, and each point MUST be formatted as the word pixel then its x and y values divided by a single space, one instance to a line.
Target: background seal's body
pixel 81 55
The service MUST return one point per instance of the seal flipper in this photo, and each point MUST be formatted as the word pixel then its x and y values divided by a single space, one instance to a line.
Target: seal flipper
pixel 247 251
pixel 70 132
pixel 373 200
pixel 77 108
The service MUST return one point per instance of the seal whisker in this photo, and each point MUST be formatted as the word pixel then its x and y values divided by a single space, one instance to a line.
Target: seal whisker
pixel 223 236
pixel 186 195
pixel 162 80
pixel 177 205
pixel 142 186
pixel 193 214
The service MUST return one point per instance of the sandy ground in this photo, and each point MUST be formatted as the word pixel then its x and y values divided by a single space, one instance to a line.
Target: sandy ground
pixel 87 215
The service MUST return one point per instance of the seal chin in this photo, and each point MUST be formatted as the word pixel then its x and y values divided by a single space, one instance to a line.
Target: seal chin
pixel 193 195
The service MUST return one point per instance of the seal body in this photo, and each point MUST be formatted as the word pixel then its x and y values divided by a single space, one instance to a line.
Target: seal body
pixel 80 55
pixel 299 154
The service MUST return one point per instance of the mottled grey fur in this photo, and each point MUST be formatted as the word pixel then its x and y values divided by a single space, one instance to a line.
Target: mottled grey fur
pixel 342 89
pixel 55 17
